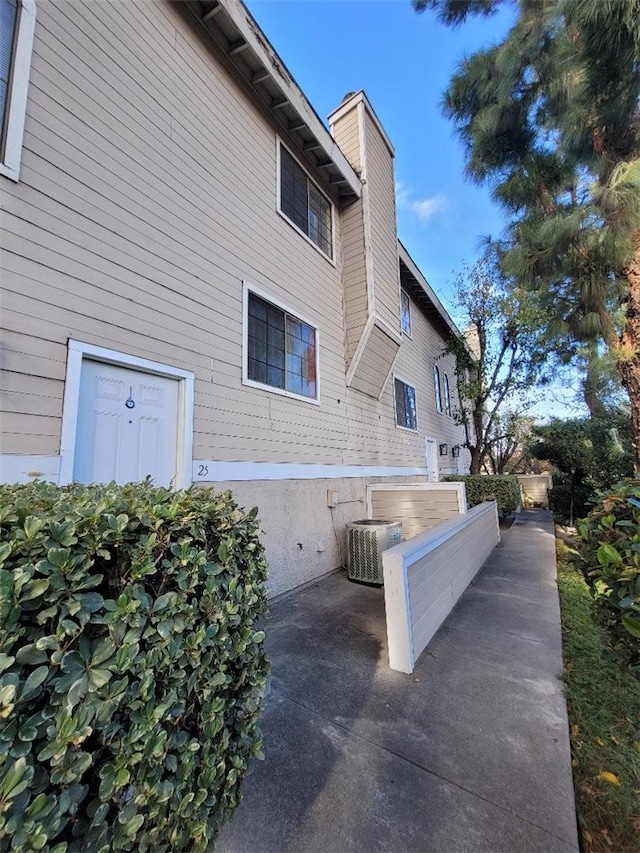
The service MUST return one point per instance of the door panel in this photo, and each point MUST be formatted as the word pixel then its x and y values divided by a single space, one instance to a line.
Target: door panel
pixel 127 426
pixel 431 451
pixel 107 428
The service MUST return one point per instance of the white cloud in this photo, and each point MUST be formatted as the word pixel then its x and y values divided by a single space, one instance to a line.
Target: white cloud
pixel 422 208
pixel 402 194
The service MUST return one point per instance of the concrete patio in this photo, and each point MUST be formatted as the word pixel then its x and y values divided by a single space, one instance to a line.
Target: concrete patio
pixel 470 753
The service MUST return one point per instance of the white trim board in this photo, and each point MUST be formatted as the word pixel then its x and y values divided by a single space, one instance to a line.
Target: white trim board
pixel 24 469
pixel 79 351
pixel 18 90
pixel 214 471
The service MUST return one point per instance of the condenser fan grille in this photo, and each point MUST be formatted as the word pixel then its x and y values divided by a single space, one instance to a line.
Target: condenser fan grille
pixel 367 540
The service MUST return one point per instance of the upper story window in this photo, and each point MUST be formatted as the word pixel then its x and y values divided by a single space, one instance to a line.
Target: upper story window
pixel 405 312
pixel 304 205
pixel 438 389
pixel 17 21
pixel 406 415
pixel 447 395
pixel 280 349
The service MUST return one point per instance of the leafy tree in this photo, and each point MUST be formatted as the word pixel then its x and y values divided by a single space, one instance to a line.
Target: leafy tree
pixel 503 333
pixel 601 385
pixel 550 118
pixel 506 450
pixel 591 454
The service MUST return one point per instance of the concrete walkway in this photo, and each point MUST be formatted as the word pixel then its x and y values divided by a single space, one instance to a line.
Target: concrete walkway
pixel 470 753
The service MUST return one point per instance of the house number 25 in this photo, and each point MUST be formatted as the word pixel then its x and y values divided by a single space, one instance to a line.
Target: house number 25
pixel 203 470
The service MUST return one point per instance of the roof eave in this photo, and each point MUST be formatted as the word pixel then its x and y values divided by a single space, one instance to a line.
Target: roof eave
pixel 424 289
pixel 233 28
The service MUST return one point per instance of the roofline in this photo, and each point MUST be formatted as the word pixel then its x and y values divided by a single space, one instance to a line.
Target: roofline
pixel 411 265
pixel 352 101
pixel 252 37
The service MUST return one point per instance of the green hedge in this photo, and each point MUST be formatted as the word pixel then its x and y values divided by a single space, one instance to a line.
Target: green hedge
pixel 131 667
pixel 504 488
pixel 609 556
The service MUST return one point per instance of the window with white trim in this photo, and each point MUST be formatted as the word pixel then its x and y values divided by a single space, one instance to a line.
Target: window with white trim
pixel 281 349
pixel 304 205
pixel 447 395
pixel 406 415
pixel 405 313
pixel 438 390
pixel 17 21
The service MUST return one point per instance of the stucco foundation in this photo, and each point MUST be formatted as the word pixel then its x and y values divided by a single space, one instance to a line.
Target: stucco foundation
pixel 305 538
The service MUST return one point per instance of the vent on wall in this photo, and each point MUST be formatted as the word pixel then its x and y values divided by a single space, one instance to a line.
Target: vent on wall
pixel 367 540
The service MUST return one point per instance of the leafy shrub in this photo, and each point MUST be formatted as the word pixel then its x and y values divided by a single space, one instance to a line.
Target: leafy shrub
pixel 503 488
pixel 131 666
pixel 609 556
pixel 565 497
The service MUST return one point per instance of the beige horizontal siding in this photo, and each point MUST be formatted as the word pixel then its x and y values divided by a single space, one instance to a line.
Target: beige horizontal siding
pixel 535 488
pixel 32 356
pixel 382 212
pixel 147 197
pixel 354 277
pixel 135 223
pixel 372 430
pixel 347 135
pixel 374 363
pixel 418 500
pixel 425 576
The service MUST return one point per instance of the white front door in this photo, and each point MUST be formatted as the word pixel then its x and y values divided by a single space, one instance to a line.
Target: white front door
pixel 431 449
pixel 127 426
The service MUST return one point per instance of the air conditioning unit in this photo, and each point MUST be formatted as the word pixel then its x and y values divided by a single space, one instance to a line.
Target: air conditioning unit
pixel 367 540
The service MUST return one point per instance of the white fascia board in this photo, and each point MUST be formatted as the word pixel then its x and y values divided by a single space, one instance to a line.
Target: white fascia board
pixel 258 42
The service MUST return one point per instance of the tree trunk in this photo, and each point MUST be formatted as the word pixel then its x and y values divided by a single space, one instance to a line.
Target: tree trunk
pixel 590 392
pixel 479 450
pixel 476 459
pixel 630 346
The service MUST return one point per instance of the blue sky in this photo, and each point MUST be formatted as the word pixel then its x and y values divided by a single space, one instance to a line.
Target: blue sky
pixel 403 61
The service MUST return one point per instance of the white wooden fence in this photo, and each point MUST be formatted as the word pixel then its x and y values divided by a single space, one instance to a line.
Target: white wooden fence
pixel 535 488
pixel 426 575
pixel 418 506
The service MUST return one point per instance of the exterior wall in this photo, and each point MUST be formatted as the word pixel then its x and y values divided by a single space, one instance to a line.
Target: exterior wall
pixel 347 133
pixel 356 307
pixel 373 294
pixel 147 198
pixel 425 577
pixel 414 364
pixel 380 207
pixel 357 294
pixel 304 537
pixel 126 232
